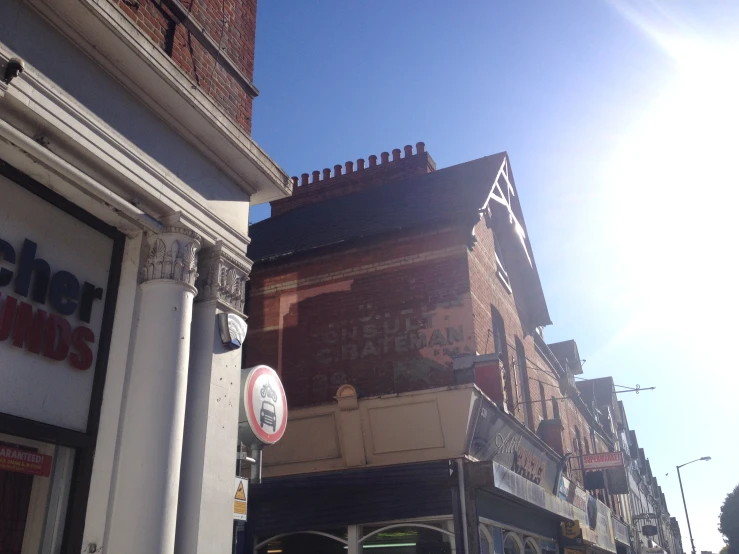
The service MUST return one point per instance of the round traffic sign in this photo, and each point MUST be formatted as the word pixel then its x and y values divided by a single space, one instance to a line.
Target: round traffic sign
pixel 265 404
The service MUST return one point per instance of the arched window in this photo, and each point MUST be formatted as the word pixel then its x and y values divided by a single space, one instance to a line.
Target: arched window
pixel 531 547
pixel 486 541
pixel 512 544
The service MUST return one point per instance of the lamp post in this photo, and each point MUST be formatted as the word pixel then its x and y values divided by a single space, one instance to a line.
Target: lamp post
pixel 703 459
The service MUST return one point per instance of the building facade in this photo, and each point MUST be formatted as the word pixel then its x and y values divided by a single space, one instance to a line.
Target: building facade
pixel 403 309
pixel 127 172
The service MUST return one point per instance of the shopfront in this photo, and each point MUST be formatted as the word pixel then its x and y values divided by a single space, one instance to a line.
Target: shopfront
pixel 394 510
pixel 591 526
pixel 59 270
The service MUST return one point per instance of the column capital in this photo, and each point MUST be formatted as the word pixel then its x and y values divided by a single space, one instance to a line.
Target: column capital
pixel 171 255
pixel 222 277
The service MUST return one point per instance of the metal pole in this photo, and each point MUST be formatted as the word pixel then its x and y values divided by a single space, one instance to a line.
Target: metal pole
pixel 692 544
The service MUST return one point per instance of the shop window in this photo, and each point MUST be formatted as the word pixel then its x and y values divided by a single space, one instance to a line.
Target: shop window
pixel 407 538
pixel 512 544
pixel 34 487
pixel 329 541
pixel 531 547
pixel 486 541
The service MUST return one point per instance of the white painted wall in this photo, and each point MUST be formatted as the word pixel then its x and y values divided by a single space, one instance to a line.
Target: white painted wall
pixel 42 46
pixel 101 130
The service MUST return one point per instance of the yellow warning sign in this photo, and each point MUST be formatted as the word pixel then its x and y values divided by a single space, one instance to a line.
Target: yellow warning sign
pixel 240 494
pixel 242 490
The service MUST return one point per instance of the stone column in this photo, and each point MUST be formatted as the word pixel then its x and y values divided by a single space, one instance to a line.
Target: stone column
pixel 150 452
pixel 205 517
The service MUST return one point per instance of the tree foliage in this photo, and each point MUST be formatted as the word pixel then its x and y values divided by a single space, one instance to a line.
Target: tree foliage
pixel 729 521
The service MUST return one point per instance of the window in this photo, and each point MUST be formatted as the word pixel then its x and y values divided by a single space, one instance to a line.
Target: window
pixel 528 413
pixel 555 408
pixel 512 544
pixel 501 271
pixel 33 500
pixel 501 348
pixel 587 446
pixel 530 547
pixel 543 399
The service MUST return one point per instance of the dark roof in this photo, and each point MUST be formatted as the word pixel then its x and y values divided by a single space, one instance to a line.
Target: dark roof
pixel 567 355
pixel 450 193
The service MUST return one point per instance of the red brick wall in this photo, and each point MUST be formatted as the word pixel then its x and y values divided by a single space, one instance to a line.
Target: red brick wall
pixel 236 37
pixel 351 178
pixel 488 289
pixel 386 317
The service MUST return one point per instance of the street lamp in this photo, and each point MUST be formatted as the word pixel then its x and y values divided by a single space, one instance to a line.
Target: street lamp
pixel 703 459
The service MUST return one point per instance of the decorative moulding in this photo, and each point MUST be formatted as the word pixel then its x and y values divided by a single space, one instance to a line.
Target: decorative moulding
pixel 222 278
pixel 171 255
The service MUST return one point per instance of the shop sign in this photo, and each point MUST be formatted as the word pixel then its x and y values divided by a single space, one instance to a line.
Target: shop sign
pixel 594 518
pixel 603 460
pixel 564 487
pixel 263 406
pixel 572 551
pixel 23 461
pixel 571 530
pixel 495 437
pixel 620 531
pixel 579 499
pixel 53 270
pixel 242 489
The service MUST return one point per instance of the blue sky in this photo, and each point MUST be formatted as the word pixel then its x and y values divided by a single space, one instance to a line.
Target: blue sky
pixel 621 122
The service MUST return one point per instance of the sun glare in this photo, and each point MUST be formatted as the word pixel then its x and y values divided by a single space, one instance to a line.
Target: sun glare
pixel 671 187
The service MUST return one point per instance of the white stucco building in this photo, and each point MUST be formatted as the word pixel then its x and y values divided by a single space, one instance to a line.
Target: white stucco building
pixel 125 188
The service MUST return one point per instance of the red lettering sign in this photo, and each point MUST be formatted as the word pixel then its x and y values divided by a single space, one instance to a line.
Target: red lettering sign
pixel 45 334
pixel 24 461
pixel 603 460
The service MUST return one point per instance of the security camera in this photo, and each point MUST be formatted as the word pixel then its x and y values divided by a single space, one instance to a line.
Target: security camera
pixel 14 68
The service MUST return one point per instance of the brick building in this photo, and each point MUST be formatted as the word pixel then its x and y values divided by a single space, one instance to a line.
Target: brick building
pixel 396 288
pixel 127 172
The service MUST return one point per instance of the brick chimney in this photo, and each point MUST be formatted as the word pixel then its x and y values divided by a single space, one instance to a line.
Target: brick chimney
pixel 350 179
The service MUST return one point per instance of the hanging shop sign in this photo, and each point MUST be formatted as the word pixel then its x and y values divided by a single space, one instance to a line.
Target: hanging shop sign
pixel 263 406
pixel 241 491
pixel 571 530
pixel 603 460
pixel 497 437
pixel 23 461
pixel 54 271
pixel 620 531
